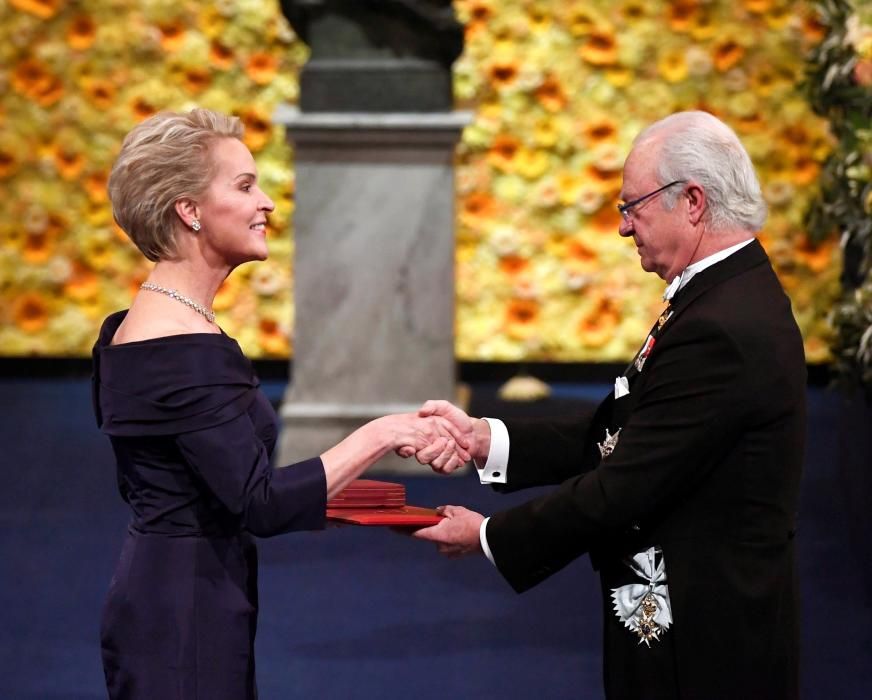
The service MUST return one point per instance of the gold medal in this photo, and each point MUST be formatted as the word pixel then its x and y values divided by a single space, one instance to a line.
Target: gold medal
pixel 664 317
pixel 648 629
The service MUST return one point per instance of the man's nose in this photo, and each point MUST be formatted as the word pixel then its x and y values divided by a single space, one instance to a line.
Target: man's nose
pixel 625 228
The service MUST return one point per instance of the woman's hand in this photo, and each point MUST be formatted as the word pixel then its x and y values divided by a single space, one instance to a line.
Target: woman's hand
pixel 472 433
pixel 411 434
pixel 405 433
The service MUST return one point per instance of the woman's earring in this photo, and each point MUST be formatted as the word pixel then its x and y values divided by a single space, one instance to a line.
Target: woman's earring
pixel 195 224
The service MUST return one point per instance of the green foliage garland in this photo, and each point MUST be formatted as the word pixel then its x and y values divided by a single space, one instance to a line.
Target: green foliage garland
pixel 840 88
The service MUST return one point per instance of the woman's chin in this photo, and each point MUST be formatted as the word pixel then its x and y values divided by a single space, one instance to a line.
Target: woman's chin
pixel 259 254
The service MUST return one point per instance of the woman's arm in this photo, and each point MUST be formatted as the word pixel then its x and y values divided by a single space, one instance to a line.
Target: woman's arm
pixel 347 460
pixel 234 464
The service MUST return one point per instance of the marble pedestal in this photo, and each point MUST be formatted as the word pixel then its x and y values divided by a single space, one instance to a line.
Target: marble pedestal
pixel 373 273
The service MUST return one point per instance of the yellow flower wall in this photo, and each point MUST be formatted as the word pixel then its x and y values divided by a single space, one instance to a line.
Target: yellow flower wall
pixel 559 88
pixel 76 77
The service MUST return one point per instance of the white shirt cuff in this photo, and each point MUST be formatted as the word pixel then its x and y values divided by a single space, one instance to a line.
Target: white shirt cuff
pixel 496 467
pixel 483 538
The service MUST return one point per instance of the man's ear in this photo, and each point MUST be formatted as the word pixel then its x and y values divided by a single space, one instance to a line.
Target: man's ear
pixel 696 203
pixel 187 210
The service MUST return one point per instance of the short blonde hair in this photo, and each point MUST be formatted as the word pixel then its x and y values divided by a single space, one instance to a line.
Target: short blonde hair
pixel 162 160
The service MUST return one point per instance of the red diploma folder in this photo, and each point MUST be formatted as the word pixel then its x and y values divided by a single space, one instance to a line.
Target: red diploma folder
pixel 405 516
pixel 370 502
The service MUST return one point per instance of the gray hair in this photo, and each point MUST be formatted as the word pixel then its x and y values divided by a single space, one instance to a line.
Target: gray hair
pixel 164 159
pixel 700 147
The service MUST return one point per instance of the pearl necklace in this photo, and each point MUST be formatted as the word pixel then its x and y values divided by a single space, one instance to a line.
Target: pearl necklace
pixel 173 294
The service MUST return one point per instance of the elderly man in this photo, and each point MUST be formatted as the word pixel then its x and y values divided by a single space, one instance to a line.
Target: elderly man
pixel 683 485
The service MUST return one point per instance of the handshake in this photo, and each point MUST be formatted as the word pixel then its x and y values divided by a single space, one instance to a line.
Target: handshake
pixel 446 438
pixel 440 435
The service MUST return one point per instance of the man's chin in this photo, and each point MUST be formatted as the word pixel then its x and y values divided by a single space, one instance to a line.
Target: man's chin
pixel 650 266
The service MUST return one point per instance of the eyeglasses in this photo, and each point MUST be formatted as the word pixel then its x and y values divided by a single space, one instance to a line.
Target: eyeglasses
pixel 627 207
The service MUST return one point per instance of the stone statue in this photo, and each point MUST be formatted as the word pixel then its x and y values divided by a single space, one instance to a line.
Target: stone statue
pixel 376 55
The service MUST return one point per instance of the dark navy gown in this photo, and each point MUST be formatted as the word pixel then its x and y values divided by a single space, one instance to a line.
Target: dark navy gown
pixel 192 436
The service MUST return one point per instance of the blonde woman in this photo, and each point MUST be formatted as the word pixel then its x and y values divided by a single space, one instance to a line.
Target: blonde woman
pixel 191 432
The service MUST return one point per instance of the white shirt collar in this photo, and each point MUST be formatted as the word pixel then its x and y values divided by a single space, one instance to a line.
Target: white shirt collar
pixel 700 265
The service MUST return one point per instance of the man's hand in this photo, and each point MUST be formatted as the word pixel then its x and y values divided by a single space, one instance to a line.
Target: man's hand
pixel 471 433
pixel 432 435
pixel 457 535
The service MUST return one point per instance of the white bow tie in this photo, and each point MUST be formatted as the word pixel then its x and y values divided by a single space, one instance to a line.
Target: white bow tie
pixel 672 289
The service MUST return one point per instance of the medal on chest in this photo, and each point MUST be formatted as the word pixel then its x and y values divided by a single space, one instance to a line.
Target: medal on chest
pixel 644 352
pixel 608 445
pixel 664 317
pixel 644 606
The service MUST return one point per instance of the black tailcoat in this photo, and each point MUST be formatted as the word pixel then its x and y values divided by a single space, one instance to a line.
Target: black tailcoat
pixel 707 467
